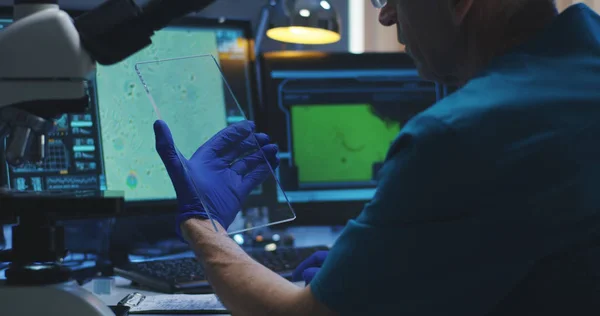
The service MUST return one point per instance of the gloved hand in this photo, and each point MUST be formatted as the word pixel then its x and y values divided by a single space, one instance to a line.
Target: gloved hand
pixel 217 172
pixel 308 268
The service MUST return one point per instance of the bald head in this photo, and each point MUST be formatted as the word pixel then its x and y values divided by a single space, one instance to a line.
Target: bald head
pixel 451 40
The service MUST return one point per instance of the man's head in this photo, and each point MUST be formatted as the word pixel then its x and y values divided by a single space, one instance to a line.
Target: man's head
pixel 450 40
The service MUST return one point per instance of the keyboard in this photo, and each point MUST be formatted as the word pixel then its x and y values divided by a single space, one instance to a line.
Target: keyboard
pixel 186 275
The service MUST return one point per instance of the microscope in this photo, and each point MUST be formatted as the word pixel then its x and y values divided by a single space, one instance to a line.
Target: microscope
pixel 47 59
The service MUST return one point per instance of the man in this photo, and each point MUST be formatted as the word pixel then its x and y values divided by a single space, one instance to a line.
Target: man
pixel 488 202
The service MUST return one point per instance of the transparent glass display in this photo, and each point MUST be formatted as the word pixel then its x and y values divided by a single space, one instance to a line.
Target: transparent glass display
pixel 192 96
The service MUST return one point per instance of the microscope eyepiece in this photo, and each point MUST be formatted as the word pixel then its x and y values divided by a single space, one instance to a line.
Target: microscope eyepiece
pixel 118 29
pixel 17 2
pixel 159 13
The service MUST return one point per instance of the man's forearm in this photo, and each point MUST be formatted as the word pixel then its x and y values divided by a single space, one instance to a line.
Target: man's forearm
pixel 243 285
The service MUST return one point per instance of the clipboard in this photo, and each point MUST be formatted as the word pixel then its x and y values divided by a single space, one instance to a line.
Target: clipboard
pixel 173 304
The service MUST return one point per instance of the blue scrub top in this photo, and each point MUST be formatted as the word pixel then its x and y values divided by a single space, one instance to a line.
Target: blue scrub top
pixel 489 201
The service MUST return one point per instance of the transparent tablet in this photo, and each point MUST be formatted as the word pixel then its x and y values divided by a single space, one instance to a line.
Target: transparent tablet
pixel 192 96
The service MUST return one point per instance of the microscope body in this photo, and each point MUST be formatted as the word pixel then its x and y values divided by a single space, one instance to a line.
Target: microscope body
pixel 43 60
pixel 68 299
pixel 42 63
pixel 43 71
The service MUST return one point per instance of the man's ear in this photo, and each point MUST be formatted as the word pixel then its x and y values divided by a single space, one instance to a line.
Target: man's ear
pixel 460 9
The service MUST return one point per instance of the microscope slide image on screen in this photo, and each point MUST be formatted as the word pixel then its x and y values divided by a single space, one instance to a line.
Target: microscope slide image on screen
pixel 130 160
pixel 188 94
pixel 339 126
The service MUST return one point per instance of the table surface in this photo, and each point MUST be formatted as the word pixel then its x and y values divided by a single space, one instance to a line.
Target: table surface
pixel 304 237
pixel 122 287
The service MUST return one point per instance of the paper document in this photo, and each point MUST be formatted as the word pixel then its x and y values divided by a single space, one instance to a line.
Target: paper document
pixel 179 303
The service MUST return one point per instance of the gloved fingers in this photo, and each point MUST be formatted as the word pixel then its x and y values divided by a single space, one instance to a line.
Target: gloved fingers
pixel 163 137
pixel 261 138
pixel 270 152
pixel 259 174
pixel 255 178
pixel 172 160
pixel 314 261
pixel 166 149
pixel 250 162
pixel 309 274
pixel 251 144
pixel 230 137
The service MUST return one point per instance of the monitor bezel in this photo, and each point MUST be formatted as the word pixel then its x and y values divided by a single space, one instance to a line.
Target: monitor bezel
pixel 324 213
pixel 162 206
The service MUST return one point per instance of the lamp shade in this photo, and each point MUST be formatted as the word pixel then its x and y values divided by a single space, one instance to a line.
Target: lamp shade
pixel 305 22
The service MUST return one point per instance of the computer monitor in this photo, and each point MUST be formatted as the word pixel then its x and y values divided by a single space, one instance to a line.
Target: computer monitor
pixel 126 115
pixel 104 148
pixel 112 145
pixel 334 117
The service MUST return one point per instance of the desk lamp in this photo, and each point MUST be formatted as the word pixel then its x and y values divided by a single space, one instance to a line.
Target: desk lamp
pixel 304 22
pixel 313 22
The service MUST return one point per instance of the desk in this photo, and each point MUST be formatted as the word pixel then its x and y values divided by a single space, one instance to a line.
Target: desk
pixel 305 237
pixel 122 287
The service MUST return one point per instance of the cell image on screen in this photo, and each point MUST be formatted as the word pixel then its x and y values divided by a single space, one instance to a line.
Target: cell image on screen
pixel 337 143
pixel 127 116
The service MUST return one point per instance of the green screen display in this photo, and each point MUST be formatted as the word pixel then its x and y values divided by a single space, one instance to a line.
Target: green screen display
pixel 339 142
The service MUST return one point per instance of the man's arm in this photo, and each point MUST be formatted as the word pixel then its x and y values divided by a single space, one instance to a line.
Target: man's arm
pixel 244 286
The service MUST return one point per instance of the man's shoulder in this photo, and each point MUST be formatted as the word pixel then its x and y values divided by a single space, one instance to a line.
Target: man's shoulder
pixel 474 121
pixel 453 118
pixel 483 112
pixel 422 131
pixel 480 99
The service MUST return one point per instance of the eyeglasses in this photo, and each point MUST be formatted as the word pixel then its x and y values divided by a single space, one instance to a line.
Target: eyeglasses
pixel 378 4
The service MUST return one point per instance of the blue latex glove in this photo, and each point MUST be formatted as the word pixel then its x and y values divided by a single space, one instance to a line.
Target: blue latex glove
pixel 219 173
pixel 308 268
